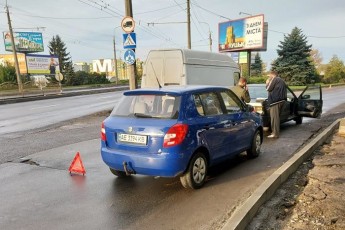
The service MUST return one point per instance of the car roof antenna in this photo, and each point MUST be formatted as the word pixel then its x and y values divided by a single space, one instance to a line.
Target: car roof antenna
pixel 159 84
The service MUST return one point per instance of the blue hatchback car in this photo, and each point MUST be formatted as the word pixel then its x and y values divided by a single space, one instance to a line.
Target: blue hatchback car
pixel 178 131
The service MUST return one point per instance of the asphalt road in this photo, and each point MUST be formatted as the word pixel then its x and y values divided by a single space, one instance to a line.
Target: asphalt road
pixel 40 193
pixel 36 114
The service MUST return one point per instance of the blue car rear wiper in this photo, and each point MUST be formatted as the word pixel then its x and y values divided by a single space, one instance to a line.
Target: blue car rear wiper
pixel 142 115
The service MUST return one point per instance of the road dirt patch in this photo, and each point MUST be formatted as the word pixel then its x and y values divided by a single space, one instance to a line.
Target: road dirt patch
pixel 312 197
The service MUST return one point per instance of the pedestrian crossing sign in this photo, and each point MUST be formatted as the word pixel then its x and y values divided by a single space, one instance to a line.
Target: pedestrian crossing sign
pixel 129 41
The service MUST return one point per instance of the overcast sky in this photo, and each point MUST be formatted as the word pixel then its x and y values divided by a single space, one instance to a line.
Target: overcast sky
pixel 88 26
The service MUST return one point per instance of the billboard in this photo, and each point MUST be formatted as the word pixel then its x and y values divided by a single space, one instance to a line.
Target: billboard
pixel 25 42
pixel 42 64
pixel 8 59
pixel 242 34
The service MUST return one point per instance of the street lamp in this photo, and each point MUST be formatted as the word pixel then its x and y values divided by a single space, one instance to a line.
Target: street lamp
pixel 209 35
pixel 115 61
pixel 245 13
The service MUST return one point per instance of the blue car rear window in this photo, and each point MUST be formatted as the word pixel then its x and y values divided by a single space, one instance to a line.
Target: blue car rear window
pixel 148 106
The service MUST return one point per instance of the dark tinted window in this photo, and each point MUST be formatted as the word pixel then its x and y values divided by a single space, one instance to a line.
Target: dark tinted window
pixel 207 104
pixel 231 102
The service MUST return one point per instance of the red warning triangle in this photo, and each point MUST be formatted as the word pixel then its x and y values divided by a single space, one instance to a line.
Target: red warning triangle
pixel 77 165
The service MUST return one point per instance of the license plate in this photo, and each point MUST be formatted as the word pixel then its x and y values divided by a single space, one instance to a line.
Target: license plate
pixel 130 138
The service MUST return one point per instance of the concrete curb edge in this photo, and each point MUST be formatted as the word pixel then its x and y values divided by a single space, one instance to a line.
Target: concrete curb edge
pixel 244 214
pixel 56 95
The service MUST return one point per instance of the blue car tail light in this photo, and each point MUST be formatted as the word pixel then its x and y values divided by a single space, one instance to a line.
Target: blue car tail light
pixel 103 135
pixel 175 135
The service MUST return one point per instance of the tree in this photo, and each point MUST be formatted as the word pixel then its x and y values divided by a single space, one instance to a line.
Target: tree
pixel 316 59
pixel 68 72
pixel 58 48
pixel 7 74
pixel 256 67
pixel 335 71
pixel 294 64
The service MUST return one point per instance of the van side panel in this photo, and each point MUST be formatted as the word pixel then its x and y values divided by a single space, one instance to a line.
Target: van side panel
pixel 210 75
pixel 188 67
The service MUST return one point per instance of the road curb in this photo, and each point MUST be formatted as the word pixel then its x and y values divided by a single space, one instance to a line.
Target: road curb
pixel 66 94
pixel 244 214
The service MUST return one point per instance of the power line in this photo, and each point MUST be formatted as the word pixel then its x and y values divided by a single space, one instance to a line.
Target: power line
pixel 167 16
pixel 115 10
pixel 275 31
pixel 65 18
pixel 151 11
pixel 159 36
pixel 310 36
pixel 117 14
pixel 209 11
pixel 197 28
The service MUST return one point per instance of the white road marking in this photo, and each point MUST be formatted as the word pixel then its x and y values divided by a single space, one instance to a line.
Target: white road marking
pixel 106 97
pixel 43 107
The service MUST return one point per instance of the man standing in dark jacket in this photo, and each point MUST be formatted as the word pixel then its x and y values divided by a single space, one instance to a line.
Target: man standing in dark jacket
pixel 276 97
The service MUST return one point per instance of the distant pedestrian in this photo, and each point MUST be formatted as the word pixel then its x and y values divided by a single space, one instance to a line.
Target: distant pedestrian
pixel 276 88
pixel 241 90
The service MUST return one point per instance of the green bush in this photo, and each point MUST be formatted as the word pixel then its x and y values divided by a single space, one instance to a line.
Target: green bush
pixel 123 82
pixel 84 78
pixel 7 74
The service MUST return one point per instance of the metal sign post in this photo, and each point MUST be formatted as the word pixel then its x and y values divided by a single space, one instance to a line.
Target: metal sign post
pixel 128 25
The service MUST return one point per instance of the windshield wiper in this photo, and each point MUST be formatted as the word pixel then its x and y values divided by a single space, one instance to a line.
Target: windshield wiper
pixel 159 84
pixel 142 115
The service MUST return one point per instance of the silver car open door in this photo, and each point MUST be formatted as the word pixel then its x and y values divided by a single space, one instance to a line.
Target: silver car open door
pixel 310 102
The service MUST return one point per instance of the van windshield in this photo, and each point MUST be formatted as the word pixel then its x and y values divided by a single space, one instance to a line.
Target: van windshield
pixel 148 106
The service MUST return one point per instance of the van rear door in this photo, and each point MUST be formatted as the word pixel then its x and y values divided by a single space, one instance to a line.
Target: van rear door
pixel 173 67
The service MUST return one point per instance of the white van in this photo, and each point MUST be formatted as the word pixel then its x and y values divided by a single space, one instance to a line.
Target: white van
pixel 188 67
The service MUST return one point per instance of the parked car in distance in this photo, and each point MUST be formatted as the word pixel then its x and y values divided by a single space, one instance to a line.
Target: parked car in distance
pixel 178 131
pixel 307 104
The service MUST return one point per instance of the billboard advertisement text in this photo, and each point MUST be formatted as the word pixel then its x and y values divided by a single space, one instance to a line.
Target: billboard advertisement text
pixel 242 34
pixel 42 64
pixel 25 42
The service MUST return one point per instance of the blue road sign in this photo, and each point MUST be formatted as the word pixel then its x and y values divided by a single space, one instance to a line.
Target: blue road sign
pixel 129 41
pixel 129 57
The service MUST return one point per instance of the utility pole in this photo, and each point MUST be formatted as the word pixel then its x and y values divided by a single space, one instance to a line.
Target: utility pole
pixel 133 84
pixel 210 40
pixel 188 26
pixel 115 63
pixel 16 65
pixel 209 35
pixel 249 59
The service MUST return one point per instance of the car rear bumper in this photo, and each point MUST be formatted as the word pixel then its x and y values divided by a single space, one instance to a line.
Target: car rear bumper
pixel 163 164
